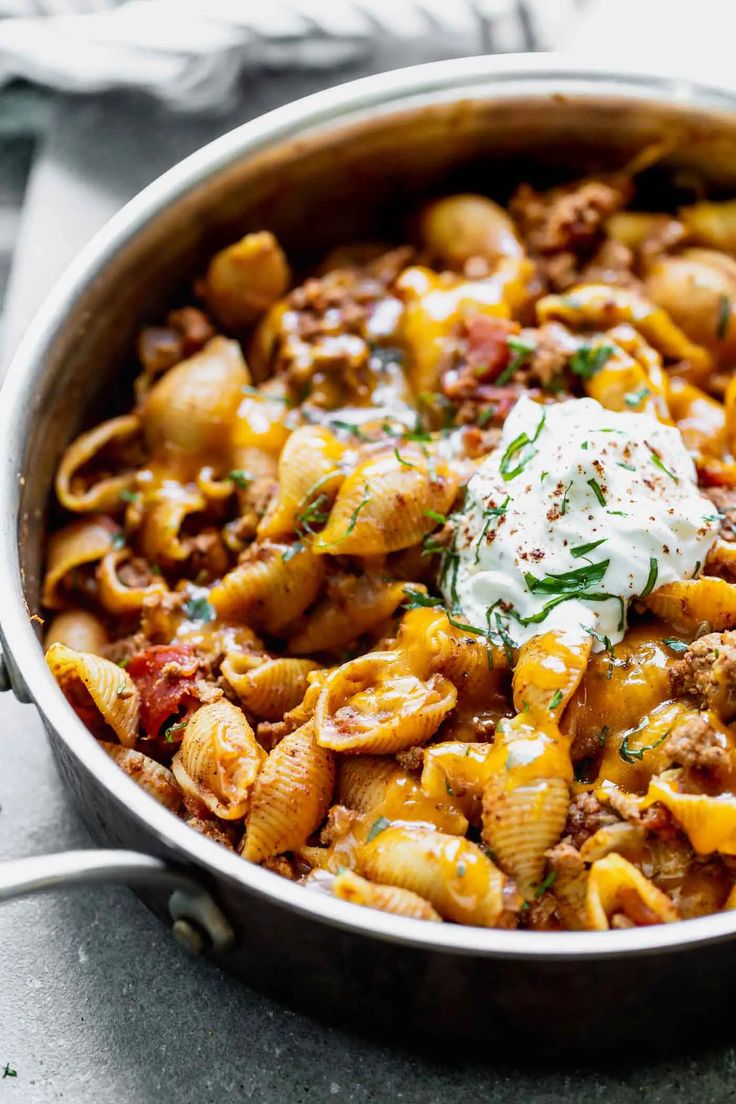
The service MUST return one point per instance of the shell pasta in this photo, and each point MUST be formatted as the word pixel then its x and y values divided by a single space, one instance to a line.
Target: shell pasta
pixel 321 594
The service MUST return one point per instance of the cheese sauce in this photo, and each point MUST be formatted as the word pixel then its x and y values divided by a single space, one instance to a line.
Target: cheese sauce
pixel 578 511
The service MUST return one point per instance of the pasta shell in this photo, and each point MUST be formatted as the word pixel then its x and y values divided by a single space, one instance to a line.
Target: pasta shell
pixel 368 706
pixel 450 872
pixel 437 304
pixel 382 505
pixel 110 688
pixel 219 759
pixel 520 824
pixel 688 604
pixel 112 592
pixel 602 306
pixel 461 770
pixel 433 645
pixel 349 886
pixel 267 689
pixel 308 475
pixel 692 287
pixel 79 630
pixel 458 227
pixel 353 606
pixel 377 786
pixel 165 512
pixel 151 776
pixel 83 542
pixel 82 494
pixel 192 408
pixel 616 885
pixel 261 424
pixel 548 669
pixel 709 822
pixel 291 796
pixel 245 279
pixel 570 886
pixel 271 586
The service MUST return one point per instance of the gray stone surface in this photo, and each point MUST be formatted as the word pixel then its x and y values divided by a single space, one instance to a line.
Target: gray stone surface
pixel 97 1004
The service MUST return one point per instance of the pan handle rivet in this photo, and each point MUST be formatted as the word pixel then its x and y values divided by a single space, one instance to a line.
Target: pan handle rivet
pixel 189 936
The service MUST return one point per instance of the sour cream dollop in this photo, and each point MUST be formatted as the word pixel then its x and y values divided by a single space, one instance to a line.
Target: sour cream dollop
pixel 579 511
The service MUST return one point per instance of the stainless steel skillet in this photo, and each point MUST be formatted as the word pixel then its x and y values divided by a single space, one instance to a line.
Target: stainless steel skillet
pixel 346 163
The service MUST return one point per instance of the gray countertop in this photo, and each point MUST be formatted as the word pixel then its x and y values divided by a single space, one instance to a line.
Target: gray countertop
pixel 97 1004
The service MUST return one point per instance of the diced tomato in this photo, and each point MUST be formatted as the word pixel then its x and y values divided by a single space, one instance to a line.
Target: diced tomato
pixel 488 350
pixel 165 675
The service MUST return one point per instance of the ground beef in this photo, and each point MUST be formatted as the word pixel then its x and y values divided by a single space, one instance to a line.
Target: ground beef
pixel 695 743
pixel 612 264
pixel 724 500
pixel 585 817
pixel 411 760
pixel 565 218
pixel 214 830
pixel 119 651
pixel 553 346
pixel 707 672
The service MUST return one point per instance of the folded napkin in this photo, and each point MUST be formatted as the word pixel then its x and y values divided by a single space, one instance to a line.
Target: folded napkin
pixel 190 53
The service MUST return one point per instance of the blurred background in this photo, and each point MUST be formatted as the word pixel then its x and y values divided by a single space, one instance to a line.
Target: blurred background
pixel 97 98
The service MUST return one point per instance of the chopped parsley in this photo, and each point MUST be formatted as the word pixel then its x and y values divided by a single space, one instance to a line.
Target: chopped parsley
pixel 377 827
pixel 634 755
pixel 675 645
pixel 595 488
pixel 292 551
pixel 659 463
pixel 524 445
pixel 199 609
pixel 489 513
pixel 266 396
pixel 8 1071
pixel 401 459
pixel 584 549
pixel 589 359
pixel 240 477
pixel 441 519
pixel 548 882
pixel 353 518
pixel 651 578
pixel 724 316
pixel 636 398
pixel 522 350
pixel 350 427
pixel 175 726
pixel 563 505
pixel 555 699
pixel 569 582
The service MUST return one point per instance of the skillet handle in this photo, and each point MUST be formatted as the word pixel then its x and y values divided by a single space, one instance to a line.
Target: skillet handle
pixel 197 921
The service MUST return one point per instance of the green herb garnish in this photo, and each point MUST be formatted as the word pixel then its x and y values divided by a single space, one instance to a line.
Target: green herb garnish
pixel 522 349
pixel 563 504
pixel 350 427
pixel 548 882
pixel 441 519
pixel 175 726
pixel 417 600
pixel 130 496
pixel 589 359
pixel 240 477
pixel 555 700
pixel 569 582
pixel 377 827
pixel 485 415
pixel 118 540
pixel 292 551
pixel 8 1071
pixel 633 755
pixel 266 396
pixel 635 398
pixel 584 549
pixel 523 444
pixel 659 463
pixel 675 645
pixel 623 464
pixel 489 513
pixel 401 459
pixel 651 578
pixel 595 488
pixel 353 519
pixel 199 609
